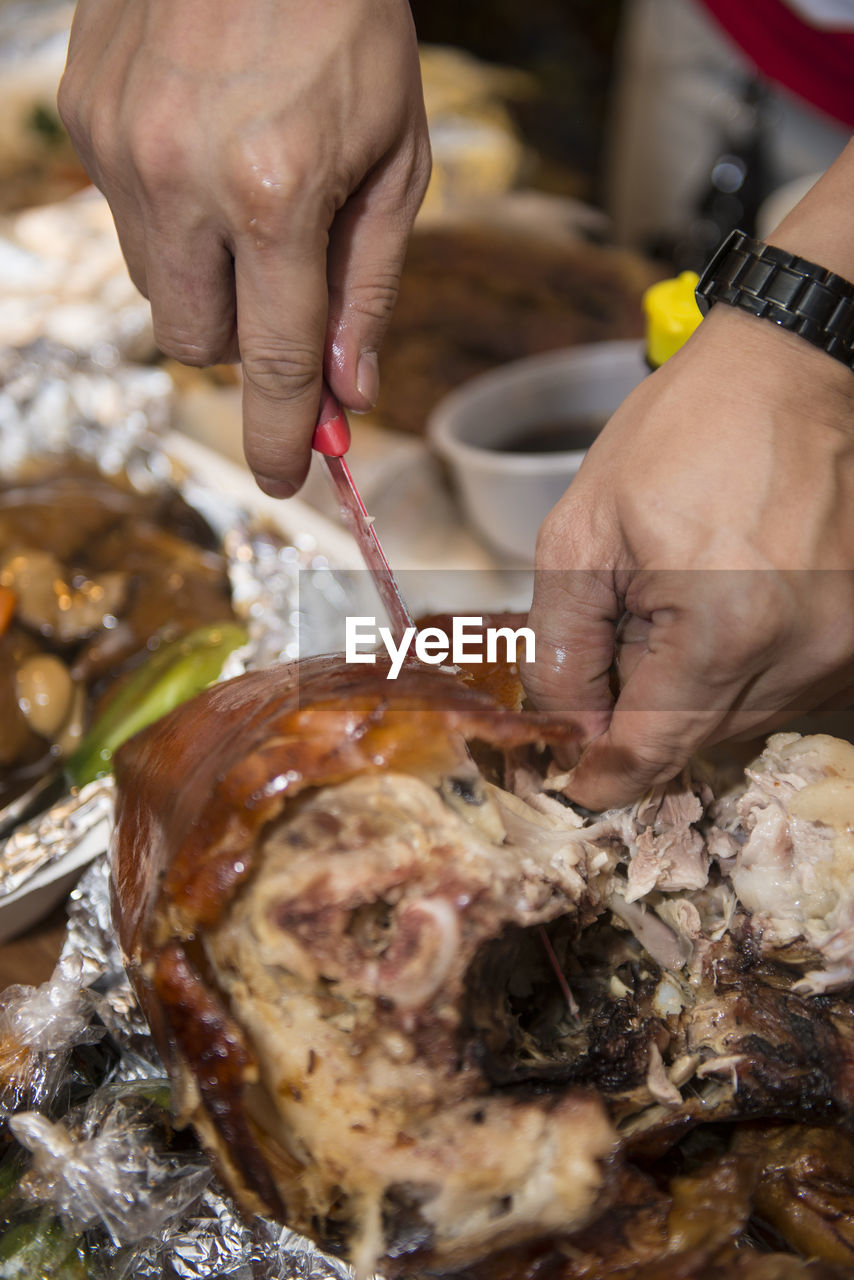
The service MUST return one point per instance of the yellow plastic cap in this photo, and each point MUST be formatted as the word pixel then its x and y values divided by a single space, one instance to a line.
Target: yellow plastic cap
pixel 672 315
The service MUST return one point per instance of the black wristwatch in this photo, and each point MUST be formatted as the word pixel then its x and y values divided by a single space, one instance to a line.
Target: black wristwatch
pixel 799 295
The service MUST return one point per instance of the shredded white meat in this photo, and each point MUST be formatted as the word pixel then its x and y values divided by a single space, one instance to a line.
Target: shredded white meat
pixel 795 872
pixel 373 898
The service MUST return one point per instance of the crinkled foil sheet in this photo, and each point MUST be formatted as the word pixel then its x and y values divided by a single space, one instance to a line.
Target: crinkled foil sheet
pixel 81 1087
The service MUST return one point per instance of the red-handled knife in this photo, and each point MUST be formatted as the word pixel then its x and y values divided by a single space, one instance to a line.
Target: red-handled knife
pixel 332 440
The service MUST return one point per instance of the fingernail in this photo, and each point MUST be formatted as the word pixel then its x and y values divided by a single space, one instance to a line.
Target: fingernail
pixel 275 488
pixel 368 376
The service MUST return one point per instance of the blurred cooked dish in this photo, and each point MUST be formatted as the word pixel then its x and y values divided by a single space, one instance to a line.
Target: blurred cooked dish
pixel 93 577
pixel 474 296
pixel 425 1011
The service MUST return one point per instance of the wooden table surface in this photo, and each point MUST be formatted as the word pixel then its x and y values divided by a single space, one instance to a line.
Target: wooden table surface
pixel 31 958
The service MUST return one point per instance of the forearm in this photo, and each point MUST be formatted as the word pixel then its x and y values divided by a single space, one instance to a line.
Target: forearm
pixel 821 226
pixel 786 370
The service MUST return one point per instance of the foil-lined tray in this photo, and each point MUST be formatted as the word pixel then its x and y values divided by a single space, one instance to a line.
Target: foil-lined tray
pixel 94 1182
pixel 116 416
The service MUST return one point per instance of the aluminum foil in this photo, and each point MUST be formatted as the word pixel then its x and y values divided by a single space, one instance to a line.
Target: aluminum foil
pixel 108 1168
pixel 54 401
pixel 57 834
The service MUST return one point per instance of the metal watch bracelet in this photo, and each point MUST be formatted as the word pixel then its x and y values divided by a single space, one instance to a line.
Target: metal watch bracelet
pixel 798 294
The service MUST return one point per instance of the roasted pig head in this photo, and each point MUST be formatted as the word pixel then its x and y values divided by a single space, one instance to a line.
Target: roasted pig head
pixel 424 1010
pixel 306 864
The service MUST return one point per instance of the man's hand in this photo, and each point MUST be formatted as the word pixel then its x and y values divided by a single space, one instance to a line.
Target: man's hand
pixel 264 163
pixel 702 559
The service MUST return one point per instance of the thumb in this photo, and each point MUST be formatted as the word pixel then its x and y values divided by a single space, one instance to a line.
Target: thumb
pixel 574 617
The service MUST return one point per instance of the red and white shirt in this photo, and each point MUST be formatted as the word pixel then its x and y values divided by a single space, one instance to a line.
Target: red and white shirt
pixel 805 45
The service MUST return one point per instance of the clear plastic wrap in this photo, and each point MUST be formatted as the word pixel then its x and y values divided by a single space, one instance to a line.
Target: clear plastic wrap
pixel 96 1179
pixel 39 1028
pixel 100 1166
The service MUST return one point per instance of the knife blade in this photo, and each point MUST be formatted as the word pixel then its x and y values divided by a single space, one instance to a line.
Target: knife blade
pixel 332 440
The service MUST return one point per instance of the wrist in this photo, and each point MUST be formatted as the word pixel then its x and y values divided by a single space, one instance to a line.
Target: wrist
pixel 765 365
pixel 783 288
pixel 819 230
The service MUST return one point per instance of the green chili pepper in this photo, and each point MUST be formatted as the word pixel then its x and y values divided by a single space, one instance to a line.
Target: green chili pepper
pixel 169 677
pixel 41 1249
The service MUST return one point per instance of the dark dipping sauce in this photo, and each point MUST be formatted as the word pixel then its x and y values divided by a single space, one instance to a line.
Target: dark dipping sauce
pixel 550 437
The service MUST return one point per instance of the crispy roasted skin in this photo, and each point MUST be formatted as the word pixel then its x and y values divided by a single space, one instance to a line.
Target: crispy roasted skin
pixel 198 786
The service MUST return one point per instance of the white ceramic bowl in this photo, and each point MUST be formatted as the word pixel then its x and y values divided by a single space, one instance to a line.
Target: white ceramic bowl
pixel 506 492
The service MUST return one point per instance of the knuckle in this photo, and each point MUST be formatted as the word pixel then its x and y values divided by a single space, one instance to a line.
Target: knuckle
pixel 835 646
pixel 649 760
pixel 101 124
pixel 412 168
pixel 95 136
pixel 374 299
pixel 67 105
pixel 569 699
pixel 652 759
pixel 565 530
pixel 422 168
pixel 198 351
pixel 539 683
pixel 283 373
pixel 553 536
pixel 156 152
pixel 267 178
pixel 751 622
pixel 138 274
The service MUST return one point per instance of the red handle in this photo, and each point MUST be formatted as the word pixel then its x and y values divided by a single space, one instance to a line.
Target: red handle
pixel 332 433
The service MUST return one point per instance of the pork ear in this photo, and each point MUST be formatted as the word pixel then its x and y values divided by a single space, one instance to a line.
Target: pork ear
pixel 212 1059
